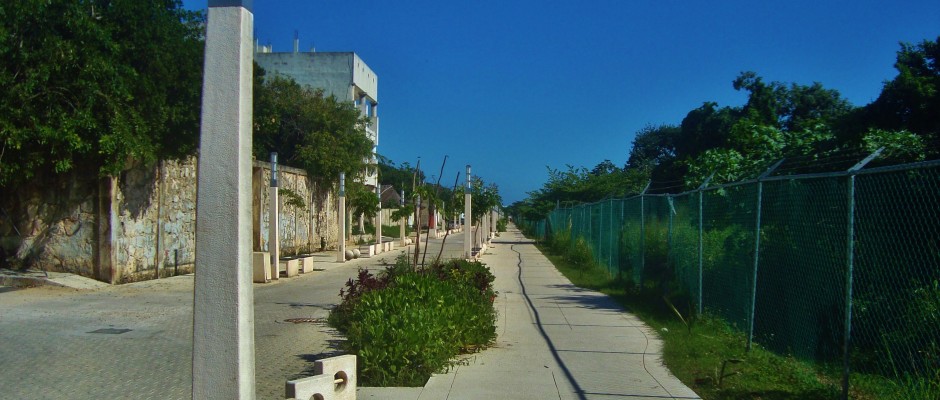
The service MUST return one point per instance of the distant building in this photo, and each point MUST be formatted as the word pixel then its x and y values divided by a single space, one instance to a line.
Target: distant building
pixel 341 74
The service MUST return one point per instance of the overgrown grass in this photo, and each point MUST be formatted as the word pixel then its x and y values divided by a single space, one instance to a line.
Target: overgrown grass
pixel 405 323
pixel 697 349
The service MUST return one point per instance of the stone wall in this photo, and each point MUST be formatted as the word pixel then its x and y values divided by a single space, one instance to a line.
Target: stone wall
pixel 301 229
pixel 155 220
pixel 121 229
pixel 61 214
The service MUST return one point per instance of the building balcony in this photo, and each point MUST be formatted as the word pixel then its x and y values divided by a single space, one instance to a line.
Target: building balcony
pixel 372 129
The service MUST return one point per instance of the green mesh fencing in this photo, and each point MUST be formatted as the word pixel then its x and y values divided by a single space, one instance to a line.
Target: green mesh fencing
pixel 728 252
pixel 774 258
pixel 801 276
pixel 684 242
pixel 656 233
pixel 896 294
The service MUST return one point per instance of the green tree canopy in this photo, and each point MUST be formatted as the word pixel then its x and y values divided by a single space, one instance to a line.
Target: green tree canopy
pixel 308 130
pixel 96 83
pixel 910 101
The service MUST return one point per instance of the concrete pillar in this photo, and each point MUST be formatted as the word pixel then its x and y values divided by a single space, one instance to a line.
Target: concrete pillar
pixel 341 219
pixel 401 230
pixel 467 220
pixel 378 216
pixel 495 221
pixel 223 301
pixel 274 233
pixel 349 225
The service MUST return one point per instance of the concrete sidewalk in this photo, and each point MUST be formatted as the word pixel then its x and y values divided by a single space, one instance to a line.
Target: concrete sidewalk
pixel 555 341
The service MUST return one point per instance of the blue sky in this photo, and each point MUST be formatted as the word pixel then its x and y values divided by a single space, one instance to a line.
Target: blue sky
pixel 514 86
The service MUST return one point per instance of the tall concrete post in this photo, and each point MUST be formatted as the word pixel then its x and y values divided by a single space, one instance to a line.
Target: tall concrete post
pixel 378 216
pixel 223 301
pixel 274 233
pixel 495 222
pixel 467 220
pixel 341 219
pixel 401 225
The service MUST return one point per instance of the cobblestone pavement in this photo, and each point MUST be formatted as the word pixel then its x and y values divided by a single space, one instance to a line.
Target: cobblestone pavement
pixel 71 344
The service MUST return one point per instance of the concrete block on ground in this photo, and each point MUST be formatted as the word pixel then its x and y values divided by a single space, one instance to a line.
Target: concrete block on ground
pixel 289 266
pixel 261 266
pixel 306 265
pixel 367 250
pixel 335 378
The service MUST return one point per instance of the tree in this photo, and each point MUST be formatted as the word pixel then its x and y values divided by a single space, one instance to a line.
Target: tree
pixel 653 146
pixel 396 175
pixel 704 128
pixel 96 83
pixel 360 201
pixel 308 130
pixel 910 101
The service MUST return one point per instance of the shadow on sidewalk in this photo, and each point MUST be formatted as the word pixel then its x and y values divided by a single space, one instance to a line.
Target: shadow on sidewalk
pixel 334 349
pixel 541 327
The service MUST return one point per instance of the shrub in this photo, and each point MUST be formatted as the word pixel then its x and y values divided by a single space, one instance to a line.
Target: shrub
pixel 501 224
pixel 407 323
pixel 581 254
pixel 561 242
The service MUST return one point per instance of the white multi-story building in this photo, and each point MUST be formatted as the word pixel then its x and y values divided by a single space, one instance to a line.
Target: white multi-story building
pixel 341 74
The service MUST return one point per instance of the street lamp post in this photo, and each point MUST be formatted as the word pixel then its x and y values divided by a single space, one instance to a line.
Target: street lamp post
pixel 467 219
pixel 274 240
pixel 341 220
pixel 378 217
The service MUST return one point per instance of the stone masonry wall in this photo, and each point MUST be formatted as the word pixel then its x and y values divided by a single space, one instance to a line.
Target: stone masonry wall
pixel 118 229
pixel 61 214
pixel 156 220
pixel 300 228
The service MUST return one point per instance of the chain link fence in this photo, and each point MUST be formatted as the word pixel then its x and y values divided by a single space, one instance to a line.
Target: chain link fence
pixel 840 267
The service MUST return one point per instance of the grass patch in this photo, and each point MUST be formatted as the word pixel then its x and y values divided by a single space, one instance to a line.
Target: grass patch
pixel 708 355
pixel 405 323
pixel 394 231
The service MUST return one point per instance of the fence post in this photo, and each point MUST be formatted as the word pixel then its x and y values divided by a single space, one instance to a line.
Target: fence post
pixel 849 265
pixel 620 228
pixel 760 195
pixel 670 256
pixel 639 276
pixel 700 241
pixel 610 250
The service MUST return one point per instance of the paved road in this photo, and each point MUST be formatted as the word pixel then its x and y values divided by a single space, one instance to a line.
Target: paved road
pixel 63 343
pixel 135 340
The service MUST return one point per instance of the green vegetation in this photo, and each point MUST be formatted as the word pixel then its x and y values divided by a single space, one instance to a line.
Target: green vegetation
pixel 96 85
pixel 501 224
pixel 101 86
pixel 809 123
pixel 406 323
pixel 696 350
pixel 393 231
pixel 321 134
